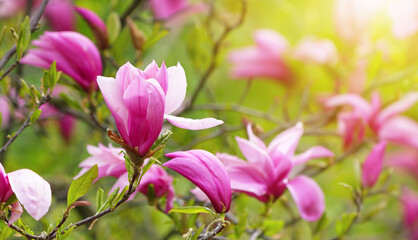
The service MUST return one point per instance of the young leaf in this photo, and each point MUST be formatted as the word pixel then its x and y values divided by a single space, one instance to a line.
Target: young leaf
pixel 341 226
pixel 35 115
pixel 3 32
pixel 197 233
pixel 113 26
pixel 192 210
pixel 81 185
pixel 99 198
pixel 146 168
pixel 26 87
pixel 23 38
pixel 5 232
pixel 272 227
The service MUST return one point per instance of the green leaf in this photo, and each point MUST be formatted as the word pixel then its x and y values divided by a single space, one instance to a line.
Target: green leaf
pixel 53 75
pixel 35 115
pixel 23 38
pixel 146 167
pixel 113 26
pixel 156 36
pixel 341 226
pixel 272 227
pixel 26 87
pixel 192 210
pixel 81 185
pixel 5 232
pixel 322 223
pixel 12 199
pixel 0 119
pixel 3 32
pixel 99 198
pixel 15 36
pixel 197 233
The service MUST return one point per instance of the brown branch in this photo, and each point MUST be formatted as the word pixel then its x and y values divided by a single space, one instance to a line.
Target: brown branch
pixel 210 235
pixel 215 52
pixel 24 125
pixel 129 11
pixel 34 25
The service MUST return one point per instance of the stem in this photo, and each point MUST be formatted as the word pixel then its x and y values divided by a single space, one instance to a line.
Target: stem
pixel 129 11
pixel 215 52
pixel 34 25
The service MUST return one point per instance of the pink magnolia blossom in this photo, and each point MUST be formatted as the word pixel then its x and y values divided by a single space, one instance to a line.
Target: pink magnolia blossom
pixel 373 165
pixel 75 55
pixel 31 190
pixel 205 171
pixel 405 160
pixel 265 59
pixel 9 8
pixel 354 17
pixel 140 100
pixel 96 24
pixel 320 51
pixel 385 123
pixel 410 209
pixel 5 112
pixel 60 15
pixel 266 173
pixel 404 15
pixel 164 9
pixel 111 162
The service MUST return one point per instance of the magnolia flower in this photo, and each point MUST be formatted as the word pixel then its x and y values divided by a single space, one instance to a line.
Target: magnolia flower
pixel 75 55
pixel 404 15
pixel 31 191
pixel 266 173
pixel 263 60
pixel 320 51
pixel 385 123
pixel 4 111
pixel 205 171
pixel 96 24
pixel 9 8
pixel 110 162
pixel 373 165
pixel 405 160
pixel 164 9
pixel 60 15
pixel 140 100
pixel 410 207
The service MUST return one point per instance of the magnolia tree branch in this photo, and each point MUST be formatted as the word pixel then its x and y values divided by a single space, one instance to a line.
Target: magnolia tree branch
pixel 34 25
pixel 129 11
pixel 26 124
pixel 215 52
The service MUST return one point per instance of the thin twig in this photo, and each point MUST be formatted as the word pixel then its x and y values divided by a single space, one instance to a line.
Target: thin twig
pixel 34 25
pixel 129 11
pixel 24 125
pixel 215 52
pixel 210 235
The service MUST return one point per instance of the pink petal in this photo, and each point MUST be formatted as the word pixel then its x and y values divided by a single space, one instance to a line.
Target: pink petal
pixel 308 197
pixel 17 211
pixel 91 18
pixel 114 101
pixel 360 105
pixel 406 160
pixel 254 139
pixel 256 155
pixel 176 91
pixel 286 142
pixel 60 15
pixel 32 191
pixel 400 130
pixel 271 41
pixel 373 165
pixel 164 9
pixel 352 127
pixel 192 124
pixel 396 108
pixel 313 152
pixel 205 171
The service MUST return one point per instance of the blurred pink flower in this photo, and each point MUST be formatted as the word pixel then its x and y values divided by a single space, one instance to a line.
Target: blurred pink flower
pixel 205 171
pixel 357 79
pixel 75 55
pixel 164 9
pixel 410 208
pixel 404 15
pixel 353 17
pixel 266 59
pixel 31 190
pixel 111 162
pixel 385 123
pixel 405 160
pixel 60 15
pixel 265 174
pixel 5 112
pixel 320 51
pixel 9 8
pixel 373 164
pixel 96 24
